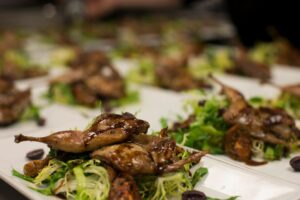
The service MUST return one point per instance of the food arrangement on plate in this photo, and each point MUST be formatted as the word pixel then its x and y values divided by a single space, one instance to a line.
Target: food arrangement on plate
pixel 230 125
pixel 16 105
pixel 289 100
pixel 113 158
pixel 183 72
pixel 15 62
pixel 92 81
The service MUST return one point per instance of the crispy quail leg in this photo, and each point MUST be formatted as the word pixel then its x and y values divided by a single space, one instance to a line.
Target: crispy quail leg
pixel 194 158
pixel 107 129
pixel 77 141
pixel 238 104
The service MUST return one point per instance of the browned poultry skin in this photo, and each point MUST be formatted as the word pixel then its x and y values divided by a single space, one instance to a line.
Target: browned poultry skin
pixel 106 87
pixel 172 74
pixel 93 78
pixel 15 72
pixel 33 168
pixel 127 157
pixel 145 155
pixel 5 85
pixel 270 125
pixel 127 121
pixel 238 144
pixel 194 158
pixel 124 188
pixel 12 102
pixel 163 150
pixel 106 130
pixel 184 124
pixel 88 58
pixel 83 95
pixel 238 105
pixel 250 68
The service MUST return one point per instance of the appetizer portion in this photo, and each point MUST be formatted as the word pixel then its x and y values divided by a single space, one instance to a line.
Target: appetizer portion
pixel 169 73
pixel 186 72
pixel 280 51
pixel 113 158
pixel 15 62
pixel 288 100
pixel 245 66
pixel 230 60
pixel 91 81
pixel 16 105
pixel 231 126
pixel 173 74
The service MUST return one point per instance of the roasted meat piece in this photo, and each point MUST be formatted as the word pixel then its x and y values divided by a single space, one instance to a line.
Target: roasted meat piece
pixel 124 188
pixel 251 68
pixel 238 144
pixel 13 102
pixel 107 129
pixel 14 72
pixel 34 167
pixel 145 155
pixel 92 80
pixel 90 59
pixel 287 54
pixel 163 150
pixel 173 74
pixel 271 125
pixel 127 157
pixel 12 58
pixel 245 66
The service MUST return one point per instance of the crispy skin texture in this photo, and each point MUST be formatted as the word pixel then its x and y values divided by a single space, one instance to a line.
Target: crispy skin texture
pixel 93 78
pixel 145 154
pixel 128 158
pixel 238 144
pixel 107 129
pixel 271 125
pixel 163 150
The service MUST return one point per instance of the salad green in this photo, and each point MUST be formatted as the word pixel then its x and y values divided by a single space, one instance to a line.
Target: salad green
pixel 85 179
pixel 32 112
pixel 285 101
pixel 75 179
pixel 208 129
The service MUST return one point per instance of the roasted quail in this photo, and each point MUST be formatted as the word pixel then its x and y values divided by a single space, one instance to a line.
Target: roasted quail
pixel 13 102
pixel 107 129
